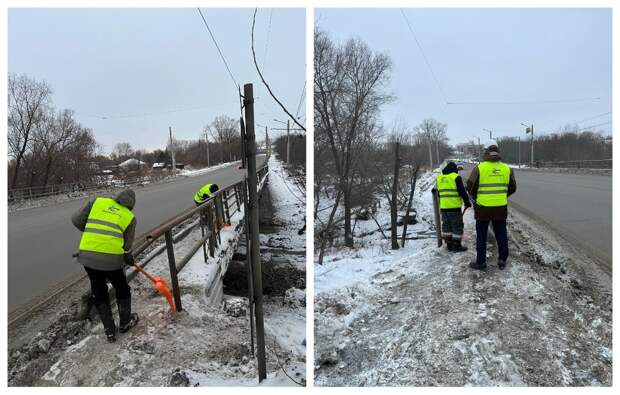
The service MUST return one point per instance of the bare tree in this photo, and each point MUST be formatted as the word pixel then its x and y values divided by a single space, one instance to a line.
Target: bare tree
pixel 224 132
pixel 431 132
pixel 122 151
pixel 348 90
pixel 54 135
pixel 27 101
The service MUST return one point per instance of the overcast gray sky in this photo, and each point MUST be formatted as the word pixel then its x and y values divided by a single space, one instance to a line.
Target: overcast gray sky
pixel 529 56
pixel 118 63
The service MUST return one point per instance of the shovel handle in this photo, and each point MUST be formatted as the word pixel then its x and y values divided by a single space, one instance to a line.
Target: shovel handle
pixel 144 272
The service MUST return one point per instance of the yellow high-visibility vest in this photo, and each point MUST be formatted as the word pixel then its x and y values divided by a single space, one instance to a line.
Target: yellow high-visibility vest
pixel 448 194
pixel 205 190
pixel 493 184
pixel 105 225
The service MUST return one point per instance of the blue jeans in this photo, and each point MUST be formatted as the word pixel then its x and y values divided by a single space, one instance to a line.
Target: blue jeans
pixel 501 236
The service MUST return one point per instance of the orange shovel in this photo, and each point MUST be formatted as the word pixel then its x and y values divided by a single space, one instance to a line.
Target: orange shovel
pixel 161 286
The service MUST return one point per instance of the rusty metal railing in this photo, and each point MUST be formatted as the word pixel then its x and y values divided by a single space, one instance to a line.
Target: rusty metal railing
pixel 213 213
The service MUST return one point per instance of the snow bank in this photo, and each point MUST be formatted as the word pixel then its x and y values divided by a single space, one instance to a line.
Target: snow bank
pixel 421 316
pixel 205 170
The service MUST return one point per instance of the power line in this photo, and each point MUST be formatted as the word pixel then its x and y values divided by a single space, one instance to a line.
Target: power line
pixel 445 99
pixel 219 50
pixel 526 101
pixel 301 99
pixel 593 117
pixel 260 74
pixel 580 129
pixel 145 114
pixel 267 42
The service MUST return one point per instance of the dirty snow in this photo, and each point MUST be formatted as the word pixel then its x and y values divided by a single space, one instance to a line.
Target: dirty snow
pixel 202 345
pixel 420 316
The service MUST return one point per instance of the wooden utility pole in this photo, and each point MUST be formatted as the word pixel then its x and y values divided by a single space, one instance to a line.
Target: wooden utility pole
pixel 532 146
pixel 250 149
pixel 207 141
pixel 244 156
pixel 519 151
pixel 288 142
pixel 267 142
pixel 394 200
pixel 174 163
pixel 430 152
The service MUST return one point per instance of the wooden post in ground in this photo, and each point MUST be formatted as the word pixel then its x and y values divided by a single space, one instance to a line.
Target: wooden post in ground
pixel 250 149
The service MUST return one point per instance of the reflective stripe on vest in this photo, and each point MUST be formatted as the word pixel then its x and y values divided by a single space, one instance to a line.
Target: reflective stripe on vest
pixel 493 184
pixel 206 189
pixel 448 194
pixel 105 225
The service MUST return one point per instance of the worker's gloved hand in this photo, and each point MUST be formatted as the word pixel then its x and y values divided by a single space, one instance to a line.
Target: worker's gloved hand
pixel 129 260
pixel 468 205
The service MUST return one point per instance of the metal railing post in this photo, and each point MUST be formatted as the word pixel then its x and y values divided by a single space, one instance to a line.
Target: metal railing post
pixel 226 209
pixel 202 232
pixel 173 270
pixel 218 217
pixel 248 263
pixel 212 239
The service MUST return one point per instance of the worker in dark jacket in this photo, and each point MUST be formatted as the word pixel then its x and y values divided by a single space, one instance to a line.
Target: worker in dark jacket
pixel 108 227
pixel 452 196
pixel 490 183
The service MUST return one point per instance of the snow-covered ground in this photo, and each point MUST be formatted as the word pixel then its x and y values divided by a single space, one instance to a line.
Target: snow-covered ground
pixel 421 316
pixel 203 345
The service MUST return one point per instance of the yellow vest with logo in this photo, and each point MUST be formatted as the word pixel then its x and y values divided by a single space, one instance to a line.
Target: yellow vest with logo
pixel 105 226
pixel 448 194
pixel 493 184
pixel 206 189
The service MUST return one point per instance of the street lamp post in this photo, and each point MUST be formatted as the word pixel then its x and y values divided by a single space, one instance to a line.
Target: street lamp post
pixel 530 129
pixel 479 152
pixel 490 133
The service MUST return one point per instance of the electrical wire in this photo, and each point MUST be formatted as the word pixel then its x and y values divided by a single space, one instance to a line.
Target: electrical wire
pixel 301 99
pixel 526 101
pixel 260 74
pixel 145 114
pixel 428 64
pixel 219 50
pixel 267 42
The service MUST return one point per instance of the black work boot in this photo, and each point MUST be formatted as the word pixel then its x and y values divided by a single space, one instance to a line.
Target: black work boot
pixel 105 313
pixel 449 244
pixel 475 265
pixel 458 247
pixel 127 319
pixel 501 263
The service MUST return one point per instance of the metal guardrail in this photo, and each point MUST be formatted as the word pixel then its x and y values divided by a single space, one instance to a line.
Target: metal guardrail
pixel 29 193
pixel 577 164
pixel 214 212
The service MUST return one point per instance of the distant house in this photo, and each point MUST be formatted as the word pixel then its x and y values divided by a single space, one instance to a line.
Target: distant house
pixel 159 165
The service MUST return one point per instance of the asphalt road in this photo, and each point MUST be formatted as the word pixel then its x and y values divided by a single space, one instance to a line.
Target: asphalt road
pixel 577 206
pixel 41 240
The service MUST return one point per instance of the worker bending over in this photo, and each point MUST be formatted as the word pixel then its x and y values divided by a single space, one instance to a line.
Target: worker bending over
pixel 108 229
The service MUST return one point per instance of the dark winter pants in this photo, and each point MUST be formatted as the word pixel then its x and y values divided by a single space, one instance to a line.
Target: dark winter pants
pixel 501 236
pixel 99 285
pixel 451 224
